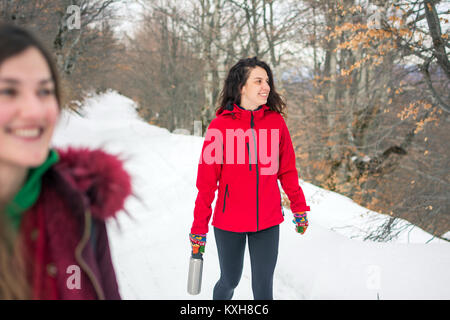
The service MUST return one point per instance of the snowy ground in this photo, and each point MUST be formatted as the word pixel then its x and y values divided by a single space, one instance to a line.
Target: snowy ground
pixel 330 261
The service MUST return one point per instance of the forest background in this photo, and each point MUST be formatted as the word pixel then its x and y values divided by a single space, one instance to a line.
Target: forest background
pixel 366 82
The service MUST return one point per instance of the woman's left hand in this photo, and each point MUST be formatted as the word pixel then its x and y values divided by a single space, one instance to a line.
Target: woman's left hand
pixel 301 222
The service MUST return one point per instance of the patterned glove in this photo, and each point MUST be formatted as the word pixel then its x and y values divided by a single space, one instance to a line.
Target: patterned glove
pixel 198 242
pixel 301 222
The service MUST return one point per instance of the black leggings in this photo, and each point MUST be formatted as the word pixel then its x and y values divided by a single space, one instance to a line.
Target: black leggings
pixel 263 248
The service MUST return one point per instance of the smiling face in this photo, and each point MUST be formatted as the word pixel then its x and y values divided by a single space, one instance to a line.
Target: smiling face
pixel 256 90
pixel 28 109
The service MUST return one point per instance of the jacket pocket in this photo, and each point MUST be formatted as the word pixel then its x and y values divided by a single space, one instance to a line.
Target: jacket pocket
pixel 225 196
pixel 281 201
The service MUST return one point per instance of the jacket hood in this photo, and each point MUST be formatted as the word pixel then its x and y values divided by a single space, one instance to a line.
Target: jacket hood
pixel 98 176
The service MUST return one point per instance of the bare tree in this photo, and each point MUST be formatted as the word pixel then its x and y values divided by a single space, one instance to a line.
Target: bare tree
pixel 164 75
pixel 77 31
pixel 367 101
pixel 69 45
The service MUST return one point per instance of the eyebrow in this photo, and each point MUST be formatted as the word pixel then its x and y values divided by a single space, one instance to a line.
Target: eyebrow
pixel 15 81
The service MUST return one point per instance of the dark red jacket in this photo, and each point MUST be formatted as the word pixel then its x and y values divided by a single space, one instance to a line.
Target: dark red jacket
pixel 249 197
pixel 65 232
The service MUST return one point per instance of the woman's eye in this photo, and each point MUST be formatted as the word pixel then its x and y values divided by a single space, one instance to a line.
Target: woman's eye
pixel 8 92
pixel 46 92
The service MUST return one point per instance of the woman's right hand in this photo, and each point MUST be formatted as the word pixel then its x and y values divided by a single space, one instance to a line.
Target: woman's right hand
pixel 198 242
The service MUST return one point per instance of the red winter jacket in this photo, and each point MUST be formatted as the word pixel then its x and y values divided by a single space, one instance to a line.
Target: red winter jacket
pixel 249 198
pixel 65 233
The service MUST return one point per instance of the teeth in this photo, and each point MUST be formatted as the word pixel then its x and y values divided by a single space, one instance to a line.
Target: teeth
pixel 27 133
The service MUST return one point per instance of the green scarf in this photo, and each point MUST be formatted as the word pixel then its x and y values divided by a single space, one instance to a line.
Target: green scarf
pixel 30 191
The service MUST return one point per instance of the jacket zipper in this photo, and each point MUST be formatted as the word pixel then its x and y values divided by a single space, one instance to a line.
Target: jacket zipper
pixel 252 124
pixel 227 194
pixel 249 157
pixel 79 257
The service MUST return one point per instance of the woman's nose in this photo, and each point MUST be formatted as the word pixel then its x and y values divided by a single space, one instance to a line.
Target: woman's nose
pixel 30 106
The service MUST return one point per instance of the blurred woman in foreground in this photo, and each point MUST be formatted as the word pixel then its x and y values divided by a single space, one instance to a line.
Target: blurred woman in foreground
pixel 53 203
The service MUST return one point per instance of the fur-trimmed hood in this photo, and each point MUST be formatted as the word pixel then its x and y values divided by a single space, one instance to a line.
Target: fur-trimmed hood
pixel 97 175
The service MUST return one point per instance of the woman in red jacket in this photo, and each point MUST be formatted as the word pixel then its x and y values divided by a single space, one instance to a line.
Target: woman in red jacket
pixel 53 203
pixel 247 149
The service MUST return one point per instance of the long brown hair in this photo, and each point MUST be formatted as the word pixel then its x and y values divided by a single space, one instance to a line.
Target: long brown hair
pixel 236 79
pixel 13 276
pixel 13 279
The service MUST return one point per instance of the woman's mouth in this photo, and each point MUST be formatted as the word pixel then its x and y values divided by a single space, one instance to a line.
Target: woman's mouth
pixel 30 133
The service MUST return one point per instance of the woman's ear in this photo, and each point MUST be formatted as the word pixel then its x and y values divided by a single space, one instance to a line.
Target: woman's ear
pixel 242 90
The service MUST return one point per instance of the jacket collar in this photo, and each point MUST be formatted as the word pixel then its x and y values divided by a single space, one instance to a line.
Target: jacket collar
pixel 236 111
pixel 30 191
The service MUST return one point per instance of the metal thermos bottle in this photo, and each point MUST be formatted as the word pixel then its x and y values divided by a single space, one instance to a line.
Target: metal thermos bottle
pixel 195 274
